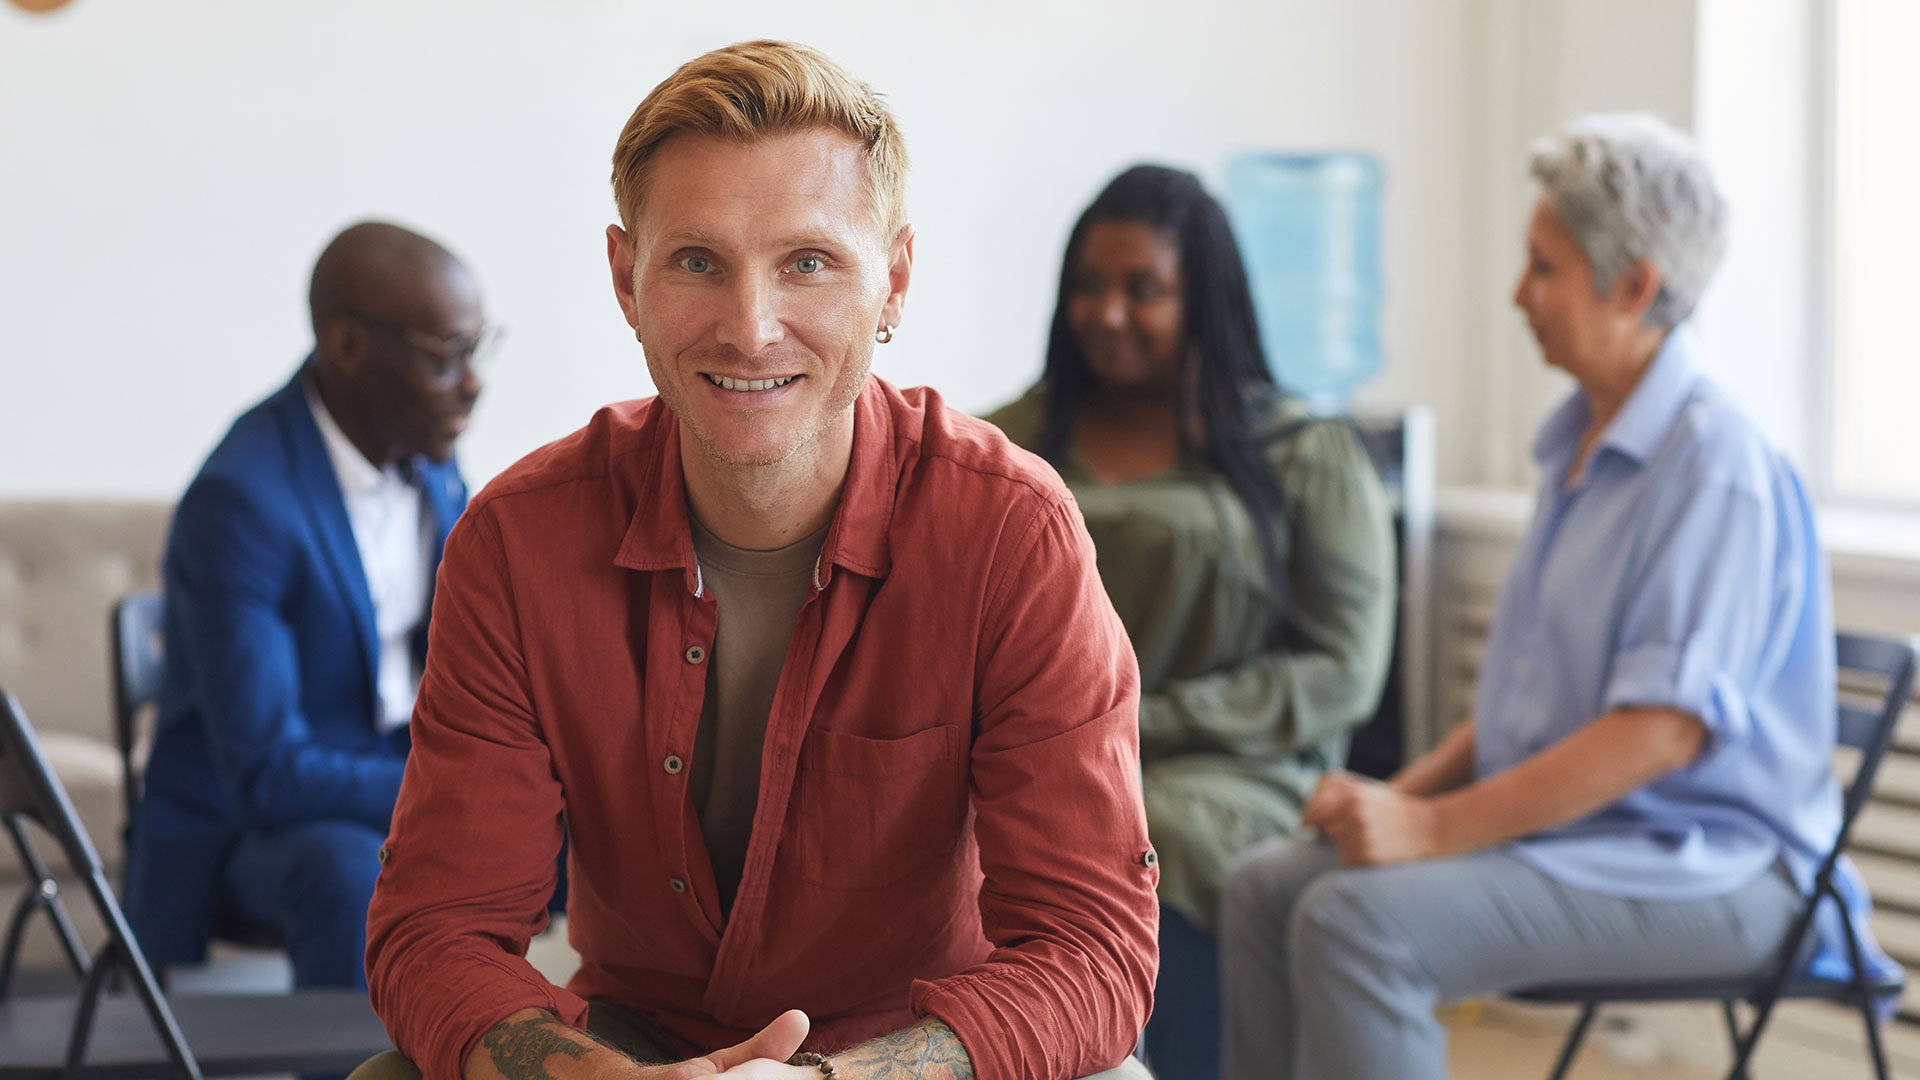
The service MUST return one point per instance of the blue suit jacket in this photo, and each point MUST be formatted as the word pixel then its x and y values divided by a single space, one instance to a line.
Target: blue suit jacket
pixel 268 705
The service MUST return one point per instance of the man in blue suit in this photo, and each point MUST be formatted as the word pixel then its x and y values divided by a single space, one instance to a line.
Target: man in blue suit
pixel 299 575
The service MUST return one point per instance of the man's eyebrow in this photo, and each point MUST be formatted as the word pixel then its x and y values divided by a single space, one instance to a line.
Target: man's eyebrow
pixel 818 238
pixel 811 238
pixel 683 237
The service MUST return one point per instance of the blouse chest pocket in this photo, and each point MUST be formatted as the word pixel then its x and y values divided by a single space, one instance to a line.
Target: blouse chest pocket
pixel 868 812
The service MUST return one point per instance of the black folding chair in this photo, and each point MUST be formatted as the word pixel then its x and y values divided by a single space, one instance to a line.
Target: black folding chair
pixel 139 659
pixel 100 1035
pixel 1887 665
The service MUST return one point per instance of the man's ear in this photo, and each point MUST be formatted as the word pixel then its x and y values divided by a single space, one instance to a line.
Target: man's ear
pixel 899 275
pixel 343 345
pixel 1636 289
pixel 620 264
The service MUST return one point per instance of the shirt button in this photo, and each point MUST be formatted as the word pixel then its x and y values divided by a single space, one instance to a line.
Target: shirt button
pixel 695 654
pixel 677 885
pixel 1148 858
pixel 673 764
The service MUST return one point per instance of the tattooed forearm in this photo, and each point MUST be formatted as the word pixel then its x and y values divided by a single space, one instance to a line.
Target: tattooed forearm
pixel 929 1050
pixel 520 1046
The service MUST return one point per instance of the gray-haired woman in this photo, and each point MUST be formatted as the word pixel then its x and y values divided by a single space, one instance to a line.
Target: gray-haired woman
pixel 1644 787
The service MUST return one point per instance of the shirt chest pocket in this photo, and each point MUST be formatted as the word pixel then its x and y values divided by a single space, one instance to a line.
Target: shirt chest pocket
pixel 868 812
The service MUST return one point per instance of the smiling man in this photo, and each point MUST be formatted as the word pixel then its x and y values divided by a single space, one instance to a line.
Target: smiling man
pixel 816 673
pixel 298 574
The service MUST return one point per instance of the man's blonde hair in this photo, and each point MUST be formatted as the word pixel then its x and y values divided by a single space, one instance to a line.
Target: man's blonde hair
pixel 760 88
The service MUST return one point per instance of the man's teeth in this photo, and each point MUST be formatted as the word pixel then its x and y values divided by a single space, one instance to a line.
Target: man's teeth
pixel 747 386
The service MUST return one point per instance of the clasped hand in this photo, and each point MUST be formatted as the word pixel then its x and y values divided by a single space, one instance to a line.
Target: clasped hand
pixel 762 1057
pixel 1369 823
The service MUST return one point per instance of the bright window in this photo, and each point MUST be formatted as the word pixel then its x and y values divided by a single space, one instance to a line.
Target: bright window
pixel 1876 298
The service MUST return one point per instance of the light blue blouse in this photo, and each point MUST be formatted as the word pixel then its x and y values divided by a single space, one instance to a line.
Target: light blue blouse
pixel 1683 571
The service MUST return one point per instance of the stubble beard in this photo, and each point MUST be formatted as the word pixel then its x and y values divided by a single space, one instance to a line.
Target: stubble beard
pixel 732 459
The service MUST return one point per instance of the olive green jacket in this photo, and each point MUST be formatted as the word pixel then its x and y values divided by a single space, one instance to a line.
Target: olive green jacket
pixel 1237 724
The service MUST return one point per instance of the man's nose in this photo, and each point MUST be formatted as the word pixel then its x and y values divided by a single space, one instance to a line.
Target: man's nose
pixel 750 324
pixel 470 383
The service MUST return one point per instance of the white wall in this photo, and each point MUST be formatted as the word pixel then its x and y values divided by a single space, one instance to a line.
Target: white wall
pixel 170 170
pixel 1546 61
pixel 1746 77
pixel 1761 90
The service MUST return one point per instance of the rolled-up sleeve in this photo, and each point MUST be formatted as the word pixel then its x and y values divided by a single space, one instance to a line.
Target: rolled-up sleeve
pixel 1068 902
pixel 471 859
pixel 1694 629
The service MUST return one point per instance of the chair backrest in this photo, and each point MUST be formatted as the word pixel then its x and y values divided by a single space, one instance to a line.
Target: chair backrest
pixel 1879 670
pixel 30 790
pixel 1402 450
pixel 139 654
pixel 1886 667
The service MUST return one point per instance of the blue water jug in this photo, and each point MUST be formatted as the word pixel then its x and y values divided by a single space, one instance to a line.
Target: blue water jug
pixel 1309 229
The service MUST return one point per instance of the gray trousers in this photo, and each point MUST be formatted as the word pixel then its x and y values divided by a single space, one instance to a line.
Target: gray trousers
pixel 644 1043
pixel 1332 973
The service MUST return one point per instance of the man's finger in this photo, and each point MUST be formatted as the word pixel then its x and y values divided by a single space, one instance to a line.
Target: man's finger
pixel 768 1069
pixel 777 1041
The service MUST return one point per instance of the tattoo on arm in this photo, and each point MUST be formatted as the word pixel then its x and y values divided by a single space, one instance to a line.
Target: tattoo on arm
pixel 519 1049
pixel 929 1050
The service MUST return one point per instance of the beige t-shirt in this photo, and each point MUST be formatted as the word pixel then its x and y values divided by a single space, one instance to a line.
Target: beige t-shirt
pixel 759 593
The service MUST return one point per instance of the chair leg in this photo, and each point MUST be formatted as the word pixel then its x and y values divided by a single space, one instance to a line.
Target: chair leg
pixel 125 955
pixel 42 897
pixel 1865 998
pixel 1574 1038
pixel 110 959
pixel 16 926
pixel 1873 1041
pixel 1770 996
pixel 45 894
pixel 1743 1047
pixel 1733 1035
pixel 89 1004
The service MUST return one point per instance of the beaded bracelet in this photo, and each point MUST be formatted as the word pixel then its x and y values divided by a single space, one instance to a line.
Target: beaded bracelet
pixel 818 1061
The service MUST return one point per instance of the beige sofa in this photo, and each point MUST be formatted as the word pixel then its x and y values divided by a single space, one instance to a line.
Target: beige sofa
pixel 63 563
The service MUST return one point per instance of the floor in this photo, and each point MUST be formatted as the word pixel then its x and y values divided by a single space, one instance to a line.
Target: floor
pixel 1492 1043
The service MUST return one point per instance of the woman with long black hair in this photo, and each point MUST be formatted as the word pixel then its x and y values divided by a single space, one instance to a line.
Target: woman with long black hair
pixel 1245 543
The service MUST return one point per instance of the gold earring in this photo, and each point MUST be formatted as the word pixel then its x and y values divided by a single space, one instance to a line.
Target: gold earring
pixel 636 335
pixel 883 335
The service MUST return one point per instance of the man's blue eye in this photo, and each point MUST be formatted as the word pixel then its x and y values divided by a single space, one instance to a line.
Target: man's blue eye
pixel 698 264
pixel 808 264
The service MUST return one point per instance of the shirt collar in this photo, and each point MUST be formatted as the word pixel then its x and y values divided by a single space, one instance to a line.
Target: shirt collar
pixel 660 536
pixel 1642 423
pixel 356 474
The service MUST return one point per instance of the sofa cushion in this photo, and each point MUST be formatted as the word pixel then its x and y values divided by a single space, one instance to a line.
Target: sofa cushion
pixel 63 565
pixel 90 771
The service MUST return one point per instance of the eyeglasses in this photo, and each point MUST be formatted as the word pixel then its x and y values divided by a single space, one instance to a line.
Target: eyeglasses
pixel 448 358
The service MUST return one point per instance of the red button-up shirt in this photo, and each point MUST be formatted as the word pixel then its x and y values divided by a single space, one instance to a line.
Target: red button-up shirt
pixel 949 820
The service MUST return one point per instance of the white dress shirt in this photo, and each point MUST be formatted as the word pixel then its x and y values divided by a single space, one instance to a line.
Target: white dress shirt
pixel 390 527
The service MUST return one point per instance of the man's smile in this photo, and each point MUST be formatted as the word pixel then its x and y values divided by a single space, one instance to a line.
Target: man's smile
pixel 747 386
